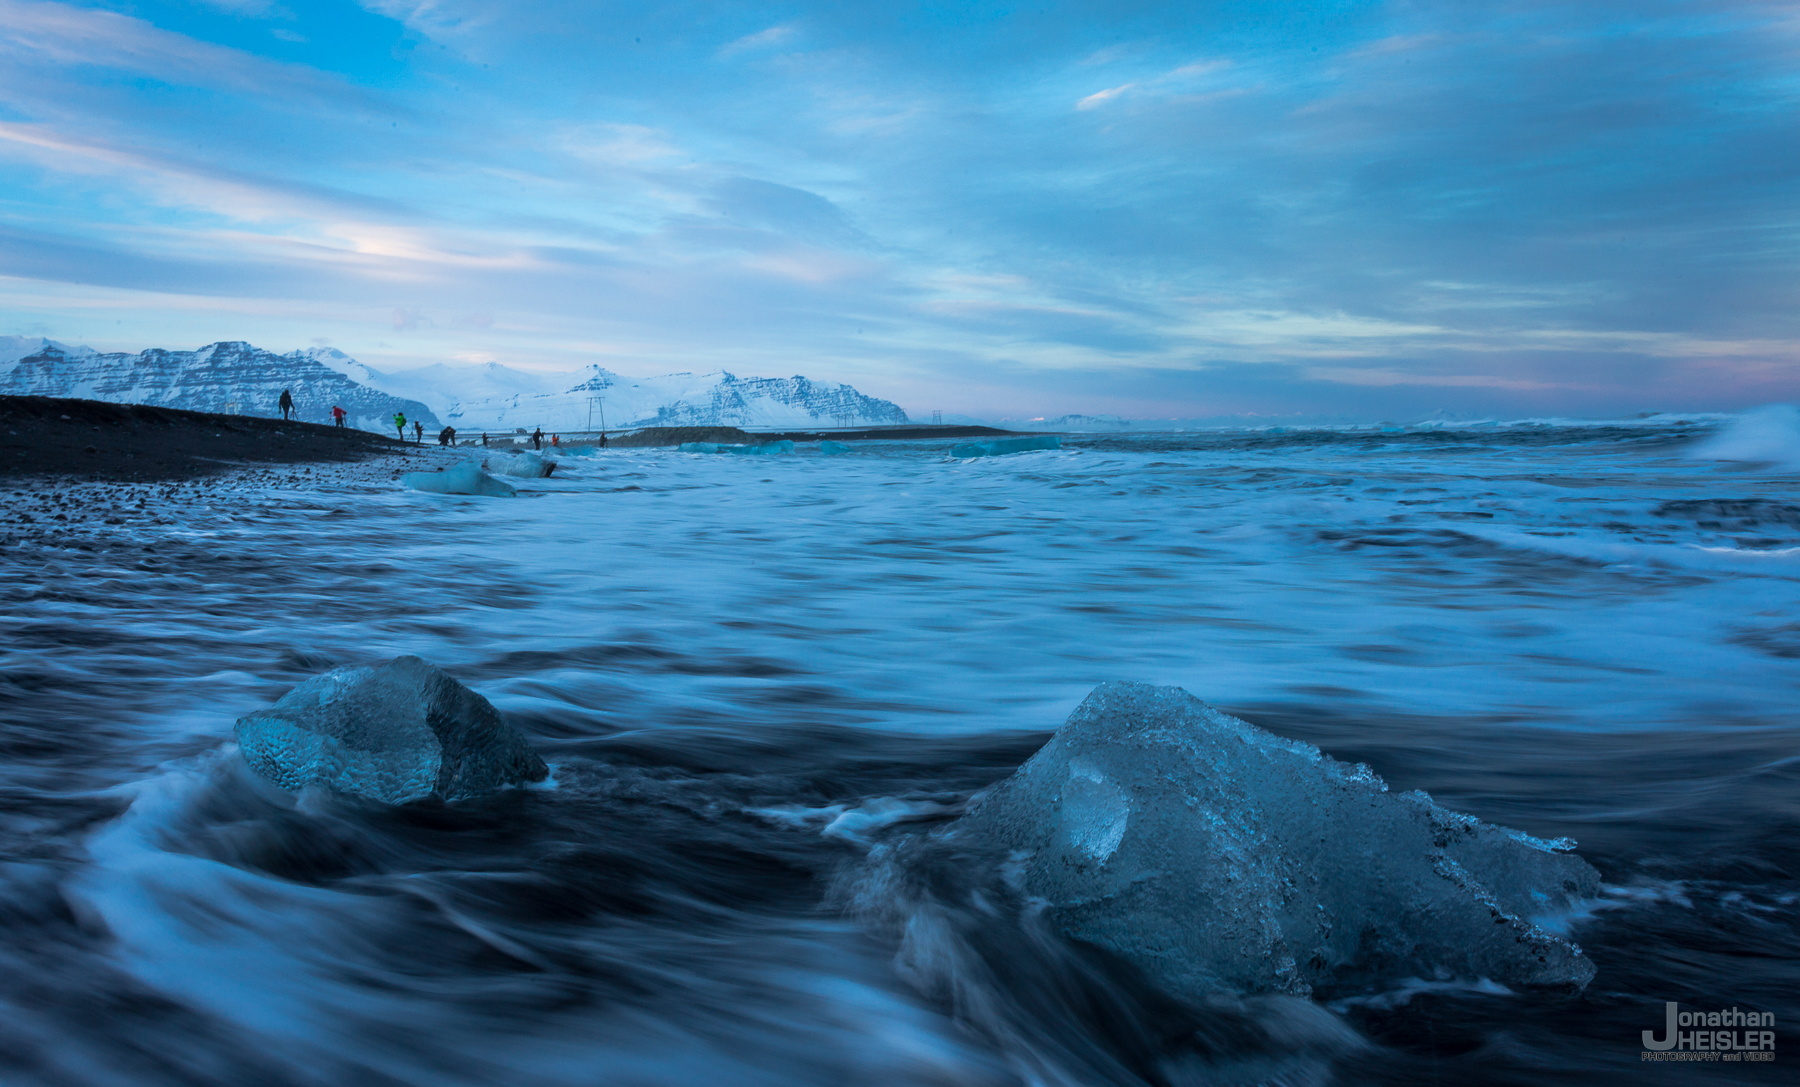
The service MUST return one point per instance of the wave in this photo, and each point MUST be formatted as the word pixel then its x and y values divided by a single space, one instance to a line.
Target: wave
pixel 1766 435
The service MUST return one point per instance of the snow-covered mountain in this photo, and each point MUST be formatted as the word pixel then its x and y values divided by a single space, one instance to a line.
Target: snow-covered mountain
pixel 242 379
pixel 14 348
pixel 231 377
pixel 496 397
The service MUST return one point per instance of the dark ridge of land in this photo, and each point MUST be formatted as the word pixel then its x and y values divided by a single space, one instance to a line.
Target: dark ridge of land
pixel 675 435
pixel 92 439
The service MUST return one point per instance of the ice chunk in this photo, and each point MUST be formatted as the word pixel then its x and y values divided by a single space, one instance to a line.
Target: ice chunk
pixel 528 466
pixel 1001 446
pixel 763 450
pixel 831 448
pixel 462 479
pixel 1217 856
pixel 397 733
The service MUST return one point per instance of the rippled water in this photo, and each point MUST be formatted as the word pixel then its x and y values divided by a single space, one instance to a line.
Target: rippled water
pixel 757 679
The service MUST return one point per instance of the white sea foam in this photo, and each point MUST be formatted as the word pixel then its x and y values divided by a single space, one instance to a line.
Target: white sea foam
pixel 1766 436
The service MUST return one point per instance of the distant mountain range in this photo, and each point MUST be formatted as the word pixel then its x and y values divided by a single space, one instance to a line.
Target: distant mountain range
pixel 239 378
pixel 229 377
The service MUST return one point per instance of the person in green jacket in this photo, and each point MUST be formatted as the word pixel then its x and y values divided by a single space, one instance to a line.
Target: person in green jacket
pixel 400 424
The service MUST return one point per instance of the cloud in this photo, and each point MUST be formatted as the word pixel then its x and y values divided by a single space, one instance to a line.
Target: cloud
pixel 1382 206
pixel 1169 82
pixel 762 39
pixel 1099 98
pixel 43 35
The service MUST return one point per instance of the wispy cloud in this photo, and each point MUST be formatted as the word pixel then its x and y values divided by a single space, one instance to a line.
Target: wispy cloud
pixel 1099 98
pixel 44 35
pixel 762 39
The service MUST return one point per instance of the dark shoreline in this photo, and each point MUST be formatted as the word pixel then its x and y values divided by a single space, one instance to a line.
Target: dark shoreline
pixel 96 440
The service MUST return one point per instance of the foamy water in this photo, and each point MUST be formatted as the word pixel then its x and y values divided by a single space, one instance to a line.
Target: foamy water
pixel 755 677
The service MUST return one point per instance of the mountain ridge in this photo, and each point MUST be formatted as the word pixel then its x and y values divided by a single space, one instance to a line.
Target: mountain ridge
pixel 235 377
pixel 230 377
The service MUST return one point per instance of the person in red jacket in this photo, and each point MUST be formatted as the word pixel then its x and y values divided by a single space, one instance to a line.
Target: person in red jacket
pixel 338 414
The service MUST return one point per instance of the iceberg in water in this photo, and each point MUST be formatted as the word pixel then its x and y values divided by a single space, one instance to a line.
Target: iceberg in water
pixel 1218 857
pixel 397 733
pixel 763 450
pixel 462 479
pixel 528 466
pixel 999 447
pixel 831 448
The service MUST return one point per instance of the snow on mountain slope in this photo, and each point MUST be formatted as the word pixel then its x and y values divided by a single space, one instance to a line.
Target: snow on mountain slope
pixel 240 378
pixel 14 348
pixel 713 399
pixel 230 377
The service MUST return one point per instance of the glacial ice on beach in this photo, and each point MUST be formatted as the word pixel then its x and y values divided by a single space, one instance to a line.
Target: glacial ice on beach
pixel 831 448
pixel 462 479
pixel 528 466
pixel 999 447
pixel 1216 856
pixel 763 450
pixel 397 733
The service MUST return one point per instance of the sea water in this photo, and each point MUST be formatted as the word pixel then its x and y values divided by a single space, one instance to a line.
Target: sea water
pixel 757 679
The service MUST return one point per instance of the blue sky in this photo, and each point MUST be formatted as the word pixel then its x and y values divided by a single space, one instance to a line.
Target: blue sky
pixel 1159 210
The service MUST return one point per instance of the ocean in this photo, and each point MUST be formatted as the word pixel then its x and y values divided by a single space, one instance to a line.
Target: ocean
pixel 756 678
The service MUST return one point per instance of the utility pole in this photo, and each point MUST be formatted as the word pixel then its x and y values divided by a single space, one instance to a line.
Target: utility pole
pixel 601 400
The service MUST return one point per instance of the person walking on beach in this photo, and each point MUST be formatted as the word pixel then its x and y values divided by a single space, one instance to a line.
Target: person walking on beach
pixel 287 403
pixel 337 413
pixel 400 424
pixel 418 432
pixel 537 438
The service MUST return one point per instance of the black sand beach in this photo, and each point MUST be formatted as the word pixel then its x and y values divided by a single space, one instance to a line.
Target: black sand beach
pixel 89 439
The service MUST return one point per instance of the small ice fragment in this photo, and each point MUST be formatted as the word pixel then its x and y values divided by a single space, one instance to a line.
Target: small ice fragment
pixel 462 479
pixel 529 466
pixel 831 448
pixel 999 447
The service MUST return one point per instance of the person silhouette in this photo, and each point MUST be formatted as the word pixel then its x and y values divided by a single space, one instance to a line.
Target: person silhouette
pixel 287 403
pixel 400 424
pixel 419 432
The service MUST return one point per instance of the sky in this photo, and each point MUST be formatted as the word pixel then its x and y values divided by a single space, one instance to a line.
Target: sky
pixel 1154 210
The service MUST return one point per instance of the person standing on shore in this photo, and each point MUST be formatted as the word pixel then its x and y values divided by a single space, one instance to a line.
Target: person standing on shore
pixel 337 413
pixel 603 439
pixel 286 403
pixel 537 438
pixel 484 439
pixel 400 424
pixel 418 432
